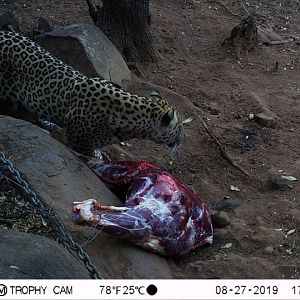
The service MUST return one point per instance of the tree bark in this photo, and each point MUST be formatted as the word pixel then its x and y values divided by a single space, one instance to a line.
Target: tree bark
pixel 127 24
pixel 243 37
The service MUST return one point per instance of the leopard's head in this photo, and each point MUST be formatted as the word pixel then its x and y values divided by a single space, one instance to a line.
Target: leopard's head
pixel 169 127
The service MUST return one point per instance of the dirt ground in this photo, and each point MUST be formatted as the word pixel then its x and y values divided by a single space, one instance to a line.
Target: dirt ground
pixel 18 213
pixel 262 239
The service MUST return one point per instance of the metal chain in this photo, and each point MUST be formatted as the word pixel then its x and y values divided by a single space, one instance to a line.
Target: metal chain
pixel 49 213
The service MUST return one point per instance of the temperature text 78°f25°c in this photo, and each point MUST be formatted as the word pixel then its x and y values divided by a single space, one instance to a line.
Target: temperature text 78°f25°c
pixel 122 290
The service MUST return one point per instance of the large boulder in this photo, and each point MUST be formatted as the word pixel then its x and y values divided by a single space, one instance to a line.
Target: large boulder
pixel 60 178
pixel 8 21
pixel 87 49
pixel 30 256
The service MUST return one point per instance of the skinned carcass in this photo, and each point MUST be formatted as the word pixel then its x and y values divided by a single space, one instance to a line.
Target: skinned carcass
pixel 160 213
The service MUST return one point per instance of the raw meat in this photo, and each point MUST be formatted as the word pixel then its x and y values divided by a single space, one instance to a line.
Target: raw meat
pixel 160 213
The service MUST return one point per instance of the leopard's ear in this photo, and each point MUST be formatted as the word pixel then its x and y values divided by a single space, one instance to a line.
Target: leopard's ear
pixel 169 117
pixel 156 94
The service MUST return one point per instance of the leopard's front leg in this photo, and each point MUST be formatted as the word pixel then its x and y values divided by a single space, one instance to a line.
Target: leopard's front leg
pixel 86 142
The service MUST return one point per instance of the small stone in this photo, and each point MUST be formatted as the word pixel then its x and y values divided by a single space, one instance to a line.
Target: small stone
pixel 264 120
pixel 276 182
pixel 214 111
pixel 290 232
pixel 289 251
pixel 220 219
pixel 43 26
pixel 251 116
pixel 227 246
pixel 269 249
pixel 234 188
pixel 8 21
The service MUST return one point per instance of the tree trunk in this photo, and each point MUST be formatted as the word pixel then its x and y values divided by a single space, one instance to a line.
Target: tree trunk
pixel 243 37
pixel 127 24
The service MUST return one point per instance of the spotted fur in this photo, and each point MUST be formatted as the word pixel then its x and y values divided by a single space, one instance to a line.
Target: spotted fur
pixel 93 112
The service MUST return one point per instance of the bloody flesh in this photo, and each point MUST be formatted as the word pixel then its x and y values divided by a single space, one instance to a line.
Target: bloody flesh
pixel 160 213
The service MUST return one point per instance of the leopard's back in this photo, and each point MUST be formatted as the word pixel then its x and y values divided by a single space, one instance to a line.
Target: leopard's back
pixel 32 76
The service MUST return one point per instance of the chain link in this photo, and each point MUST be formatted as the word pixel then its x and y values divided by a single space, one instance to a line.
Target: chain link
pixel 49 214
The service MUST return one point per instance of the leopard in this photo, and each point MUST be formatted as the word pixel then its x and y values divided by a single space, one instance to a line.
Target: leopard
pixel 93 112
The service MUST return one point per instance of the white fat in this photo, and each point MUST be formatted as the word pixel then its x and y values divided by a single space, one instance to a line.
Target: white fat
pixel 209 239
pixel 146 184
pixel 93 163
pixel 85 209
pixel 153 243
pixel 110 220
pixel 189 223
pixel 200 213
pixel 156 205
pixel 117 208
pixel 190 242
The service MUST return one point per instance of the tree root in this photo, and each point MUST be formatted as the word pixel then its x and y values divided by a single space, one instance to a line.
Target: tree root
pixel 222 150
pixel 134 67
pixel 243 37
pixel 92 10
pixel 275 43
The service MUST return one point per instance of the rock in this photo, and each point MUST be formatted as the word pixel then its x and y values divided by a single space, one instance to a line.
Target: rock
pixel 220 219
pixel 213 108
pixel 276 182
pixel 7 20
pixel 59 178
pixel 43 26
pixel 87 49
pixel 228 204
pixel 214 111
pixel 262 103
pixel 264 120
pixel 269 250
pixel 251 116
pixel 267 34
pixel 30 256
